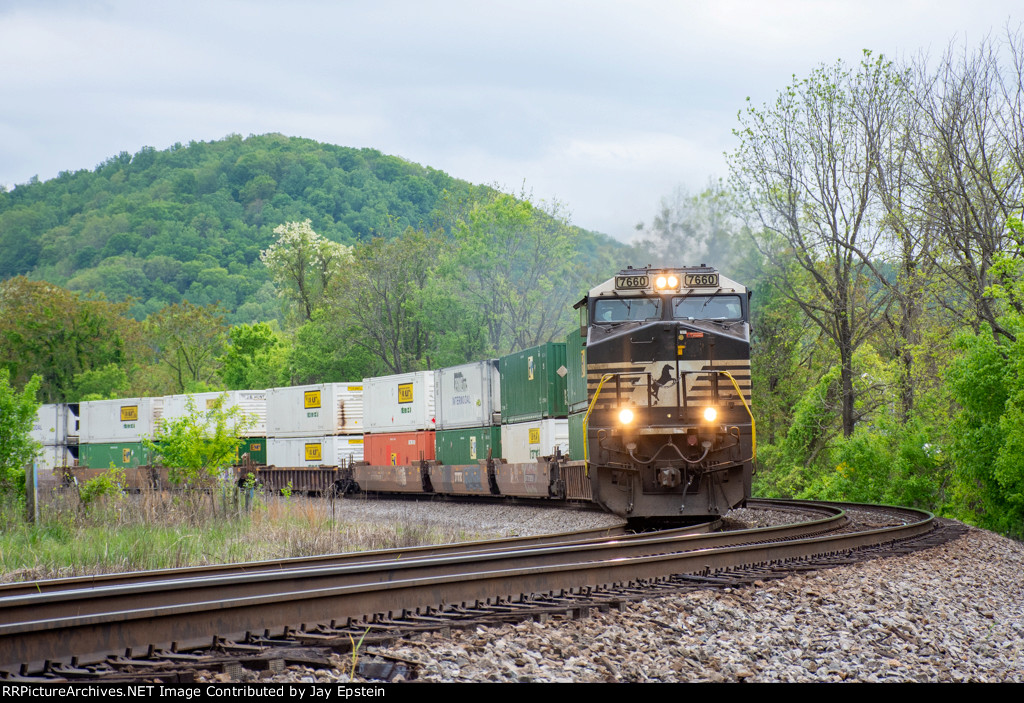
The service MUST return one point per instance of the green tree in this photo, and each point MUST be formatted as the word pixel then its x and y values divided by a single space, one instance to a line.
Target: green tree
pixel 324 351
pixel 988 431
pixel 515 265
pixel 54 333
pixel 189 341
pixel 804 166
pixel 17 416
pixel 104 383
pixel 256 358
pixel 199 446
pixel 988 384
pixel 381 297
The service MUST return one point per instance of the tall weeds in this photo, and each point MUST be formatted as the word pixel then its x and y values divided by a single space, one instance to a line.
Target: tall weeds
pixel 168 529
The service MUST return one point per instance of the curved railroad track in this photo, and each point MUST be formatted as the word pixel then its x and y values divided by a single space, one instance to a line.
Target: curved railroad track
pixel 61 628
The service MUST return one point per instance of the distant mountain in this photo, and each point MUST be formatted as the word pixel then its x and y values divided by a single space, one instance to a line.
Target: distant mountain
pixel 190 221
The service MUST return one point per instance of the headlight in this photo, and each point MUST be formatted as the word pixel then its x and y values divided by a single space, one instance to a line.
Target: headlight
pixel 660 282
pixel 625 416
pixel 710 414
pixel 673 282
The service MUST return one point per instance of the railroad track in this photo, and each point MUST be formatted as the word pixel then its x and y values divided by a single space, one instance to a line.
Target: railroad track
pixel 62 628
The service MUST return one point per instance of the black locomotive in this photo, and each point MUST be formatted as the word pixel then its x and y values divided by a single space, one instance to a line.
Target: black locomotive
pixel 665 425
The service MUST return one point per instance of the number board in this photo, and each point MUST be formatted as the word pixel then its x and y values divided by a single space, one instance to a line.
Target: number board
pixel 404 392
pixel 632 282
pixel 700 280
pixel 129 413
pixel 311 399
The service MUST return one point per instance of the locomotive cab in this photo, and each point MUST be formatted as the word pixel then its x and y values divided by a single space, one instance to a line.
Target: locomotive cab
pixel 667 429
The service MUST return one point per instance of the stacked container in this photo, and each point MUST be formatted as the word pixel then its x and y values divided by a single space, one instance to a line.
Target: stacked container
pixel 112 431
pixel 56 429
pixel 533 383
pixel 534 404
pixel 525 442
pixel 468 395
pixel 577 392
pixel 317 410
pixel 315 425
pixel 400 418
pixel 468 413
pixel 328 450
pixel 252 403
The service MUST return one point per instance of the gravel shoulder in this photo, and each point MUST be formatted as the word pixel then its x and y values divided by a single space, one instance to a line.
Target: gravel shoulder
pixel 486 520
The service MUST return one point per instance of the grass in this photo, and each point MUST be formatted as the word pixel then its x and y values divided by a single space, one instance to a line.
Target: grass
pixel 167 530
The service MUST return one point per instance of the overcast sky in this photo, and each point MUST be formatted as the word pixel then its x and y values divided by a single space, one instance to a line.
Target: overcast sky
pixel 605 106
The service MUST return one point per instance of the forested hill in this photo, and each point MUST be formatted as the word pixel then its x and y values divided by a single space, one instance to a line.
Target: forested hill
pixel 189 222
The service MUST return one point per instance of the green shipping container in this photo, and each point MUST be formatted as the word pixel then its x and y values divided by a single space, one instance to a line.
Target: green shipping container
pixel 576 436
pixel 533 383
pixel 256 447
pixel 120 454
pixel 467 446
pixel 576 379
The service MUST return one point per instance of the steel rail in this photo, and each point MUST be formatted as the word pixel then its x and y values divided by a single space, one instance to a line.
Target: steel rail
pixel 319 597
pixel 181 591
pixel 120 617
pixel 351 558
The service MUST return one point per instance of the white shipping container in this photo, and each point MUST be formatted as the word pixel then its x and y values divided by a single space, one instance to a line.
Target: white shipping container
pixel 50 458
pixel 54 424
pixel 400 403
pixel 252 403
pixel 122 420
pixel 331 450
pixel 468 395
pixel 311 411
pixel 523 442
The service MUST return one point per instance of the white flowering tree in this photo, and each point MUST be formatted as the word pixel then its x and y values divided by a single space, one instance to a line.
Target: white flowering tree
pixel 302 264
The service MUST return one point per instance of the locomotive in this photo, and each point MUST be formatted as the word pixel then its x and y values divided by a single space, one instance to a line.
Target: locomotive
pixel 645 410
pixel 668 429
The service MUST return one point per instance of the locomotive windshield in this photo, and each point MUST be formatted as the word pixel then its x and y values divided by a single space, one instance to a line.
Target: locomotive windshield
pixel 624 309
pixel 707 307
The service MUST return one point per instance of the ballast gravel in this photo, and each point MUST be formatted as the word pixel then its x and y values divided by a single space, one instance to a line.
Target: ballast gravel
pixel 493 520
pixel 950 613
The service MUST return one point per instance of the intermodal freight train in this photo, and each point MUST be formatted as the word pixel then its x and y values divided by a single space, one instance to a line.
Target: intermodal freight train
pixel 644 409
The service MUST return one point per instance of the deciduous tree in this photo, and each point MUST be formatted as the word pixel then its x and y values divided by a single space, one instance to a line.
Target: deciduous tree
pixel 201 445
pixel 256 358
pixel 514 263
pixel 805 167
pixel 17 415
pixel 969 152
pixel 381 298
pixel 57 334
pixel 303 264
pixel 189 339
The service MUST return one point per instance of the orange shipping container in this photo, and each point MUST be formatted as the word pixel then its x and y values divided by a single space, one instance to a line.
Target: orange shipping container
pixel 398 448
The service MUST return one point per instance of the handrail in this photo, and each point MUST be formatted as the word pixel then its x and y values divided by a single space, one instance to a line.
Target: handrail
pixel 590 408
